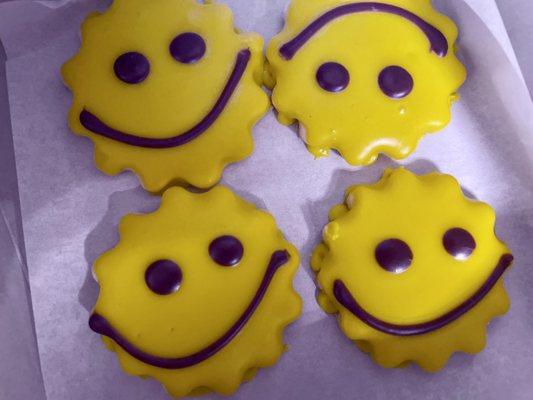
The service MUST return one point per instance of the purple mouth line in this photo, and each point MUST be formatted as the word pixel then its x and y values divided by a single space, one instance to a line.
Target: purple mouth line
pixel 95 125
pixel 344 297
pixel 100 325
pixel 439 44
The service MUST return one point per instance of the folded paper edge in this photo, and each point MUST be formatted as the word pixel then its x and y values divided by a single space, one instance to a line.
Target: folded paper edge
pixel 13 240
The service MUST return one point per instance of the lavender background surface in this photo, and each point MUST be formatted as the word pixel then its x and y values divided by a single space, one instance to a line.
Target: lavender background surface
pixel 20 368
pixel 70 212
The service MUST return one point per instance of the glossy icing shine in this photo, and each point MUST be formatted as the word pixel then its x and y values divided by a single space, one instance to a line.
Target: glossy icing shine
pixel 344 297
pixel 404 75
pixel 100 325
pixel 394 255
pixel 333 77
pixel 226 251
pixel 131 67
pixel 187 48
pixel 159 124
pixel 459 243
pixel 198 324
pixel 450 281
pixel 96 126
pixel 163 277
pixel 395 82
pixel 438 42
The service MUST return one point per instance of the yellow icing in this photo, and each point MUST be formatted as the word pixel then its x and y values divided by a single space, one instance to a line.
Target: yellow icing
pixel 174 97
pixel 210 299
pixel 361 122
pixel 417 210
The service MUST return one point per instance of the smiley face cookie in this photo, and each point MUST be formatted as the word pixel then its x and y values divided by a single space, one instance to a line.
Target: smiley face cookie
pixel 198 293
pixel 168 89
pixel 413 269
pixel 364 78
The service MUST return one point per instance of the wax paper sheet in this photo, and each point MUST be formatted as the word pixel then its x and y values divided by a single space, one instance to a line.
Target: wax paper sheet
pixel 20 374
pixel 70 213
pixel 517 17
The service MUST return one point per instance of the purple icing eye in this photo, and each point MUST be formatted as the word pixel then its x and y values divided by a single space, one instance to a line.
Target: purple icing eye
pixel 131 67
pixel 163 277
pixel 187 48
pixel 395 82
pixel 459 243
pixel 226 251
pixel 394 255
pixel 333 77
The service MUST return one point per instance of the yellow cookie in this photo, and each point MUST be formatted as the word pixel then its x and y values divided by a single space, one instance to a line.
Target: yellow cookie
pixel 198 293
pixel 168 89
pixel 413 268
pixel 364 78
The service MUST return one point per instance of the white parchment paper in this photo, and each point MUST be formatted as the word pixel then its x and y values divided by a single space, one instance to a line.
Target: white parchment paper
pixel 70 212
pixel 517 16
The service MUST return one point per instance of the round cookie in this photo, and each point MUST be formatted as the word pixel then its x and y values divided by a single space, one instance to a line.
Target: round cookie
pixel 364 78
pixel 198 293
pixel 168 89
pixel 413 268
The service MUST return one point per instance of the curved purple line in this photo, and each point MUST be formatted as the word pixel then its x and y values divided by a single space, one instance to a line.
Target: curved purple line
pixel 100 325
pixel 439 44
pixel 95 125
pixel 344 297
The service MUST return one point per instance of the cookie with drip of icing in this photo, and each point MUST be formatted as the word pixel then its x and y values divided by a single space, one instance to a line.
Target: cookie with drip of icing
pixel 168 88
pixel 413 268
pixel 362 77
pixel 197 294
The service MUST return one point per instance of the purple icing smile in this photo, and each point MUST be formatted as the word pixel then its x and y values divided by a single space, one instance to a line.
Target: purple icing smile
pixel 344 297
pixel 102 326
pixel 395 82
pixel 459 243
pixel 226 251
pixel 438 42
pixel 187 48
pixel 394 255
pixel 95 125
pixel 131 67
pixel 163 277
pixel 333 77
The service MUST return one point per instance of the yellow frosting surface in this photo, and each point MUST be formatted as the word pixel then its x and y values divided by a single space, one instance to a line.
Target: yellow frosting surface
pixel 210 299
pixel 418 210
pixel 361 121
pixel 174 97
